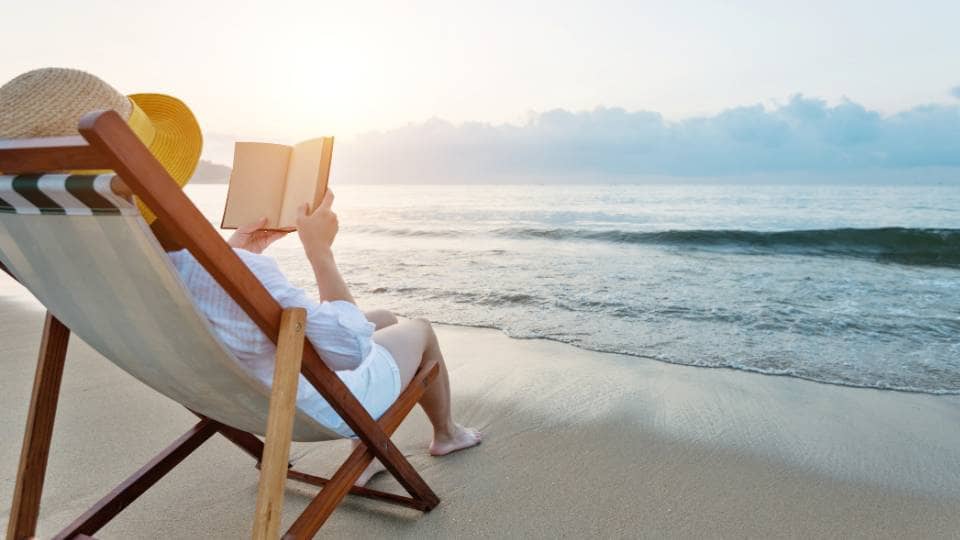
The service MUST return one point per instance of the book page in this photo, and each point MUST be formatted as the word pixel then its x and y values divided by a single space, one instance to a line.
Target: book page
pixel 257 184
pixel 306 177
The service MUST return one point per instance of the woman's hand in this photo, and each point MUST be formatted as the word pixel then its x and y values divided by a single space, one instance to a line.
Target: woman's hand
pixel 317 229
pixel 253 238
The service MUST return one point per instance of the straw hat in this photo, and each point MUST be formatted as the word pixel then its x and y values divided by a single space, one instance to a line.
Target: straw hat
pixel 49 102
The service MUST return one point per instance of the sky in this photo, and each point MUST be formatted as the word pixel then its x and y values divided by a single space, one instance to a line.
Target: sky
pixel 286 71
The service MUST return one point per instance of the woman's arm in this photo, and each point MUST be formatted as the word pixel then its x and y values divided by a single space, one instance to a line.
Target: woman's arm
pixel 317 231
pixel 329 281
pixel 338 330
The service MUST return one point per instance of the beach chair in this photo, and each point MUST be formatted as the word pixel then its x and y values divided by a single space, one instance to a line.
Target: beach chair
pixel 80 246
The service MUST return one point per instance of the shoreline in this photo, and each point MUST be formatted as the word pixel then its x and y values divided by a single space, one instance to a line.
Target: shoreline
pixel 745 369
pixel 577 443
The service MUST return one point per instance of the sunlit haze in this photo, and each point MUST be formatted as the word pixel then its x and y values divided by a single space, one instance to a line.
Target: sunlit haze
pixel 289 70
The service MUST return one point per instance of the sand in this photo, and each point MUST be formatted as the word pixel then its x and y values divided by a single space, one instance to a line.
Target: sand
pixel 577 444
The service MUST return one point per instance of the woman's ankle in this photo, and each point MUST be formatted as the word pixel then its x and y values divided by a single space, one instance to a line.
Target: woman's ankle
pixel 448 431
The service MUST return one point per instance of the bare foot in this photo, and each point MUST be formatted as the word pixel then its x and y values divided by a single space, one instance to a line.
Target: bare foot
pixel 461 438
pixel 373 469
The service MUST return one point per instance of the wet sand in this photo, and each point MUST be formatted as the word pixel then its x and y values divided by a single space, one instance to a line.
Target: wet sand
pixel 576 444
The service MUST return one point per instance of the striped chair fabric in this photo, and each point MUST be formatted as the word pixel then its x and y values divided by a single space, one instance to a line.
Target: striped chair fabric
pixel 88 256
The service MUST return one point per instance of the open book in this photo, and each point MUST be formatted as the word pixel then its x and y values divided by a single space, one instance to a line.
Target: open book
pixel 273 180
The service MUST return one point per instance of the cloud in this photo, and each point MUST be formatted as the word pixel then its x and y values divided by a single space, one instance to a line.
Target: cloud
pixel 955 91
pixel 802 137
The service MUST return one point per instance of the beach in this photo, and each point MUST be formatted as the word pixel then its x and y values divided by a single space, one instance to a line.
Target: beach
pixel 577 444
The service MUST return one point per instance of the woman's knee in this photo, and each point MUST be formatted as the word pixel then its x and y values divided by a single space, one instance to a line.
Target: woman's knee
pixel 426 327
pixel 381 318
pixel 406 342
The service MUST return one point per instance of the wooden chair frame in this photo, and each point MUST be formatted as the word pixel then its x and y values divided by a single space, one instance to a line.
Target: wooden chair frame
pixel 106 142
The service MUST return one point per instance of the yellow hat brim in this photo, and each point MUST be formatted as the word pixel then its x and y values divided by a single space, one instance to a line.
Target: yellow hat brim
pixel 177 140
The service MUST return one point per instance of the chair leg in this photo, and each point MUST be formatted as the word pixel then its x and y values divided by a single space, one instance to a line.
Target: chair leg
pixel 341 483
pixel 283 404
pixel 36 440
pixel 247 442
pixel 139 482
pixel 320 508
pixel 361 491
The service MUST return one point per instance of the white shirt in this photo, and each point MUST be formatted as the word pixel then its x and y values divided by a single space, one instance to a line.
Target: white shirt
pixel 338 330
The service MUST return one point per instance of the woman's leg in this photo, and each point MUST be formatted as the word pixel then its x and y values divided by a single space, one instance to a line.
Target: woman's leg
pixel 411 343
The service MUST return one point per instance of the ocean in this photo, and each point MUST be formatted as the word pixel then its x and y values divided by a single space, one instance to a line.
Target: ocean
pixel 856 286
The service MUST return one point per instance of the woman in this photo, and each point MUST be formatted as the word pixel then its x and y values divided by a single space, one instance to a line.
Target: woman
pixel 364 348
pixel 375 355
pixel 375 360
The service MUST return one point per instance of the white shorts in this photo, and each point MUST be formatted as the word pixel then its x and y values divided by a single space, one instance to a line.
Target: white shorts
pixel 375 383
